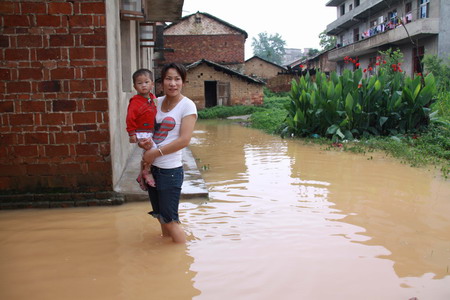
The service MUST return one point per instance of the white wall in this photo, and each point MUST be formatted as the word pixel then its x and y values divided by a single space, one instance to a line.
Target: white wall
pixel 117 99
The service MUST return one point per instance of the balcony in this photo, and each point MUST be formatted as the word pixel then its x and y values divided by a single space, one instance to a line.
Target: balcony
pixel 357 15
pixel 418 29
pixel 335 2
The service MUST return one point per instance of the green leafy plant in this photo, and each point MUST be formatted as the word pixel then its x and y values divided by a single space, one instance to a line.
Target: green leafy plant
pixel 354 106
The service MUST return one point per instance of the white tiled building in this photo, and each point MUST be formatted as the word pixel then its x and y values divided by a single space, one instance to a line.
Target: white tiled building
pixel 364 27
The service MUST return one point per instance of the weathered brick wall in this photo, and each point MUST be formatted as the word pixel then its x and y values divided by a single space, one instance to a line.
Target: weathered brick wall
pixel 222 49
pixel 281 83
pixel 241 91
pixel 54 132
pixel 261 69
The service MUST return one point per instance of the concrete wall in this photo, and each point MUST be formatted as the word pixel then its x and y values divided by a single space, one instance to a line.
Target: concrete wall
pixel 241 91
pixel 444 34
pixel 119 92
pixel 54 115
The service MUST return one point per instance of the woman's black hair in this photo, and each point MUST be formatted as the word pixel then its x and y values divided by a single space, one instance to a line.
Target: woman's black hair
pixel 178 67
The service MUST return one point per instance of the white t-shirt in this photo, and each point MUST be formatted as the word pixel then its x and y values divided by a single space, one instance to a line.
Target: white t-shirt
pixel 167 129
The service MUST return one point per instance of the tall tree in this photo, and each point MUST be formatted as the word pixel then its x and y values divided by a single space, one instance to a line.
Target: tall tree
pixel 269 47
pixel 327 42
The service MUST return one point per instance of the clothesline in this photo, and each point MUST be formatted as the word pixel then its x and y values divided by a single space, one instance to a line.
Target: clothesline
pixel 388 25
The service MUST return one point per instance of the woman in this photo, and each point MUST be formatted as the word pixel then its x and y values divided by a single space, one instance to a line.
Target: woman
pixel 175 120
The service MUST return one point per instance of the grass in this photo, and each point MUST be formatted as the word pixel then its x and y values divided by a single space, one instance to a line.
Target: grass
pixel 222 112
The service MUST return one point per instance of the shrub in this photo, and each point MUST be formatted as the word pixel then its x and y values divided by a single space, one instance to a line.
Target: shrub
pixel 352 106
pixel 441 71
pixel 269 120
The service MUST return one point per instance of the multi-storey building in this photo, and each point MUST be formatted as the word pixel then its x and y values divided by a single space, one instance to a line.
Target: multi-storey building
pixel 364 27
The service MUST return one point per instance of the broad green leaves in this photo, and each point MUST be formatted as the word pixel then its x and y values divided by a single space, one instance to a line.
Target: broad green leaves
pixel 351 106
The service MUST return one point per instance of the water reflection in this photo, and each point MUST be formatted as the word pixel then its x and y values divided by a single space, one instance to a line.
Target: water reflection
pixel 288 219
pixel 284 220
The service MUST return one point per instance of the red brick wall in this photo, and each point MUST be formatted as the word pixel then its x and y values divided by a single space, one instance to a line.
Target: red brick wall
pixel 54 132
pixel 222 49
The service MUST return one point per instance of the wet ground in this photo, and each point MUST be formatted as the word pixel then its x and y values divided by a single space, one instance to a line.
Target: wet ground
pixel 284 220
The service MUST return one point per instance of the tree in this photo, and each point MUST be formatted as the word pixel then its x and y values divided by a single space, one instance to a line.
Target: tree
pixel 269 47
pixel 313 52
pixel 327 42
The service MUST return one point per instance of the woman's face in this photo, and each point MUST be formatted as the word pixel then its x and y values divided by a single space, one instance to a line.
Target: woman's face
pixel 173 83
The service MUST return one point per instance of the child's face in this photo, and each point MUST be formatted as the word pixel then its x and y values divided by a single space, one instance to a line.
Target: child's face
pixel 143 85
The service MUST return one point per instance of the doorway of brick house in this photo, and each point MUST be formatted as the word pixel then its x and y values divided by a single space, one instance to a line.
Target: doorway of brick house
pixel 217 93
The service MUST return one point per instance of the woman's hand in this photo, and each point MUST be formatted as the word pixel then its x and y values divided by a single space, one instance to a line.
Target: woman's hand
pixel 149 156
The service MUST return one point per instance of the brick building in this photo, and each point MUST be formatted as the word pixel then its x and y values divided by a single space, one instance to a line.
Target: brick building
pixel 210 84
pixel 203 36
pixel 65 81
pixel 202 41
pixel 260 68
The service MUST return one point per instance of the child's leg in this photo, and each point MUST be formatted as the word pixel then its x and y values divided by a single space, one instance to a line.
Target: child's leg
pixel 141 180
pixel 147 175
pixel 146 172
pixel 144 178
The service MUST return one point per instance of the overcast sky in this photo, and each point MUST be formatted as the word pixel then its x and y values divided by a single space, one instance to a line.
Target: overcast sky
pixel 299 22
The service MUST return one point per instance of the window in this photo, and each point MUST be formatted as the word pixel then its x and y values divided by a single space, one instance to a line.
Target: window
pixel 424 8
pixel 356 3
pixel 342 9
pixel 350 7
pixel 408 7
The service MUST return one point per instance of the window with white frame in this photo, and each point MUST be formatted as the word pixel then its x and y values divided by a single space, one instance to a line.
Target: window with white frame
pixel 424 8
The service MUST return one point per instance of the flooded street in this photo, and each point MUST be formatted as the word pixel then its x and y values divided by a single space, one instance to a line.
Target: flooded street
pixel 284 220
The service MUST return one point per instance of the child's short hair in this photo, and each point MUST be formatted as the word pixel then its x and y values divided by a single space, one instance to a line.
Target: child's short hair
pixel 141 72
pixel 178 67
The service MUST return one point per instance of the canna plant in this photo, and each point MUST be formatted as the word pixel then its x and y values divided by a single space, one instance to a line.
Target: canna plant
pixel 352 105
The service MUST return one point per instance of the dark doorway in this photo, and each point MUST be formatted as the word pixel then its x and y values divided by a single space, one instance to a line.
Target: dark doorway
pixel 210 93
pixel 418 54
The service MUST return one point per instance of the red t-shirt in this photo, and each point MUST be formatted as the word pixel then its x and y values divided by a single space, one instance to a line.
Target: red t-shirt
pixel 141 114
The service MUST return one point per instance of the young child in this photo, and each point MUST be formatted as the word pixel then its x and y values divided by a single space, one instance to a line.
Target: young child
pixel 140 119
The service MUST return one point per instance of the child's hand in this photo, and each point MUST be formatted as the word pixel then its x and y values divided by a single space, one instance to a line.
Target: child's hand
pixel 146 143
pixel 133 139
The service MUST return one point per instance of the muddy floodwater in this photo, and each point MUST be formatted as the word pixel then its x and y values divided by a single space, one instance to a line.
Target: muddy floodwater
pixel 284 220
